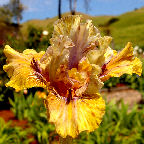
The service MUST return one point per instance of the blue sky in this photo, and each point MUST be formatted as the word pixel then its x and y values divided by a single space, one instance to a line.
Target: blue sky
pixel 41 9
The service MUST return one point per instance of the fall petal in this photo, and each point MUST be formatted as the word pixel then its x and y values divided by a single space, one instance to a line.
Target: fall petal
pixel 20 70
pixel 77 116
pixel 121 63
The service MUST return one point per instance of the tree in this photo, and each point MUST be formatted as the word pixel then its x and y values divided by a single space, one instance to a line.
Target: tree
pixel 16 8
pixel 86 4
pixel 59 9
pixel 5 14
pixel 72 6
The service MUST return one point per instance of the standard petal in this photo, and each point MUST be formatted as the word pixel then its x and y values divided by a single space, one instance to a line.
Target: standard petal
pixel 97 56
pixel 85 39
pixel 77 116
pixel 121 63
pixel 57 55
pixel 109 54
pixel 83 35
pixel 94 86
pixel 67 26
pixel 21 70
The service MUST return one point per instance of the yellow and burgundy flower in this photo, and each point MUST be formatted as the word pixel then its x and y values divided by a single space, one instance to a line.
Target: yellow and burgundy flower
pixel 72 70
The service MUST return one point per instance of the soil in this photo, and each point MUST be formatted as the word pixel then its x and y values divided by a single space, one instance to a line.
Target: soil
pixel 129 96
pixel 8 115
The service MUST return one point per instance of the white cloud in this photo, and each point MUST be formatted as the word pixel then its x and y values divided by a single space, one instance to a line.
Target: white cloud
pixel 106 0
pixel 32 9
pixel 48 2
pixel 38 5
pixel 2 2
pixel 30 5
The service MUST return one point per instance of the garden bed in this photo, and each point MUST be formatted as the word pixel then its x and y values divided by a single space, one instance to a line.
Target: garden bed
pixel 129 96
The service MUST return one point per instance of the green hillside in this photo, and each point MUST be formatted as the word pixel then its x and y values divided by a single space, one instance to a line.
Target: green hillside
pixel 46 24
pixel 129 27
pixel 123 28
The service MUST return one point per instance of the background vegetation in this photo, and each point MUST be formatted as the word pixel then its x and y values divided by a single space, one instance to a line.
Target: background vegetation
pixel 120 125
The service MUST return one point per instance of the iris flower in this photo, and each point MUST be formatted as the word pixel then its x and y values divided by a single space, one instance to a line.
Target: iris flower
pixel 72 70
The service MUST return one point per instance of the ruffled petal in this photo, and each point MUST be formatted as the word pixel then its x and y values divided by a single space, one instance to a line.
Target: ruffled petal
pixel 56 55
pixel 85 39
pixel 97 56
pixel 23 68
pixel 80 77
pixel 66 26
pixel 83 35
pixel 77 116
pixel 94 86
pixel 121 63
pixel 109 54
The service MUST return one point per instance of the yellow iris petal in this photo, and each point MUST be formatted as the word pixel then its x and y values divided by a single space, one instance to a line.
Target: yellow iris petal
pixel 83 35
pixel 80 77
pixel 19 68
pixel 77 116
pixel 66 26
pixel 97 56
pixel 94 85
pixel 109 54
pixel 121 63
pixel 56 55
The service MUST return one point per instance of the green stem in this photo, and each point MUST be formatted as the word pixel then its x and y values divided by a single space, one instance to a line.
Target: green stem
pixel 67 140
